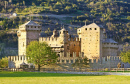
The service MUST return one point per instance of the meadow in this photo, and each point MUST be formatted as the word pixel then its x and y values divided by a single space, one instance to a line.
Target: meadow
pixel 59 78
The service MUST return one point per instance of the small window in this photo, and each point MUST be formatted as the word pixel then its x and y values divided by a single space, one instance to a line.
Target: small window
pixel 85 28
pixel 71 61
pixel 70 55
pixel 27 26
pixel 23 44
pixel 64 32
pixel 35 26
pixel 39 27
pixel 59 55
pixel 62 61
pixel 68 47
pixel 21 58
pixel 95 28
pixel 90 29
pixel 74 44
pixel 31 26
pixel 58 60
pixel 79 29
pixel 67 61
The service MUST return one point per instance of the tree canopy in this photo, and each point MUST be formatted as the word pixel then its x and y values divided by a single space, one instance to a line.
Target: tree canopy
pixel 40 54
pixel 125 56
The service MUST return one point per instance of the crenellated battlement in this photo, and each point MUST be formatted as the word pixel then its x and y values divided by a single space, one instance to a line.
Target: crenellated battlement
pixel 48 39
pixel 17 58
pixel 106 59
pixel 74 39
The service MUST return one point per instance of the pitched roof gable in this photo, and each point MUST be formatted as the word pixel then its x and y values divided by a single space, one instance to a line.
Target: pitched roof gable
pixel 92 25
pixel 30 23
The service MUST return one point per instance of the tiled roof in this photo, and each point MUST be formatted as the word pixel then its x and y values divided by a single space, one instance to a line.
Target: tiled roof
pixel 109 41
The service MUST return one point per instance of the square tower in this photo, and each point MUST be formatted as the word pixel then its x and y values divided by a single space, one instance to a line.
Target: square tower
pixel 27 32
pixel 91 40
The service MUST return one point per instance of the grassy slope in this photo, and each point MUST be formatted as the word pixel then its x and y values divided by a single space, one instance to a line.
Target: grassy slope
pixel 55 78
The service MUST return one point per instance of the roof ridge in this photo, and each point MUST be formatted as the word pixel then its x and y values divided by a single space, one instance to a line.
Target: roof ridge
pixel 30 23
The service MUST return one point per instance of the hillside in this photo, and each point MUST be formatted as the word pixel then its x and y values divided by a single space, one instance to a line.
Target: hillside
pixel 114 15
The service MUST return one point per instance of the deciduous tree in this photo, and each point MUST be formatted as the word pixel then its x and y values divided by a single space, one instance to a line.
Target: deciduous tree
pixel 40 54
pixel 125 56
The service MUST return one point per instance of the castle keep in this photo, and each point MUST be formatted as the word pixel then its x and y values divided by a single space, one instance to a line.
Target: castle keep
pixel 91 43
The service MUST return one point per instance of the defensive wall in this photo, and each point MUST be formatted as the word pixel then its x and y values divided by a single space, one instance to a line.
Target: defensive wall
pixel 105 62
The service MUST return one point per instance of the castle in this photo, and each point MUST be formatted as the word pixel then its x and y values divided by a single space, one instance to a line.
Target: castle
pixel 92 43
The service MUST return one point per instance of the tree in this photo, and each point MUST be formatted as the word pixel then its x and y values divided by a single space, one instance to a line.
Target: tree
pixel 81 62
pixel 40 54
pixel 125 56
pixel 4 62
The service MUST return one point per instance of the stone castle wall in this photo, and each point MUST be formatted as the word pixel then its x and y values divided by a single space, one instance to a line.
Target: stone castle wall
pixel 109 49
pixel 106 62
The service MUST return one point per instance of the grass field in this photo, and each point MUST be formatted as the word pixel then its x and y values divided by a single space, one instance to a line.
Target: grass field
pixel 57 78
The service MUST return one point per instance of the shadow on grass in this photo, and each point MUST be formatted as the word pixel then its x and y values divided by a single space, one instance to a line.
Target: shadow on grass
pixel 39 74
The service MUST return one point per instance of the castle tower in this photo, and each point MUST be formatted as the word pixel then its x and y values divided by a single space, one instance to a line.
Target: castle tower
pixel 63 39
pixel 64 36
pixel 55 34
pixel 91 40
pixel 26 33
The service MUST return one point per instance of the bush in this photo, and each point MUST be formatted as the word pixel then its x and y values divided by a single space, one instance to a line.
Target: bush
pixel 4 62
pixel 106 69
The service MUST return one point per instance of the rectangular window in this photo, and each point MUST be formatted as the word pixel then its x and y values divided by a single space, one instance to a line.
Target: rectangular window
pixel 23 44
pixel 68 47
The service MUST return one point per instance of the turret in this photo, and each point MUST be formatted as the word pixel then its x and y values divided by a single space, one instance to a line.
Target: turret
pixel 64 36
pixel 55 34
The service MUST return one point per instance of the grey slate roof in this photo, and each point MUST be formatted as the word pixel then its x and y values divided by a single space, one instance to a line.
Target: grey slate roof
pixel 23 63
pixel 109 41
pixel 30 23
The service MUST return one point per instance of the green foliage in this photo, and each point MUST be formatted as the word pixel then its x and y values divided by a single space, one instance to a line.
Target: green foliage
pixel 125 56
pixel 81 62
pixel 4 62
pixel 128 17
pixel 40 54
pixel 13 22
